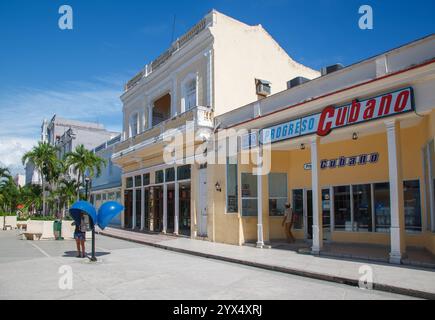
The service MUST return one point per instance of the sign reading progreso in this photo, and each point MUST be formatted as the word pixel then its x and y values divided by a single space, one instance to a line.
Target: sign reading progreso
pixel 330 118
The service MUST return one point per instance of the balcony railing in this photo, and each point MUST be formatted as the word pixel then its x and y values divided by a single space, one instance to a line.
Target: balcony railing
pixel 179 43
pixel 200 116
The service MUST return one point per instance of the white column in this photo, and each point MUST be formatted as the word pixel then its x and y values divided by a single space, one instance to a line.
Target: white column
pixel 165 208
pixel 260 239
pixel 210 84
pixel 396 193
pixel 142 204
pixel 177 204
pixel 317 198
pixel 133 218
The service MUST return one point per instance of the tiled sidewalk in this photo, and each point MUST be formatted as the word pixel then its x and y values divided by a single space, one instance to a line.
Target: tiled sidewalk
pixel 396 279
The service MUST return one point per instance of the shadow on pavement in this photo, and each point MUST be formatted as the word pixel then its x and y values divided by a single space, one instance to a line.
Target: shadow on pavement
pixel 73 254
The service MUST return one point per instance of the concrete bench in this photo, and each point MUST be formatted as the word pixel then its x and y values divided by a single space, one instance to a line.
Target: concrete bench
pixel 32 236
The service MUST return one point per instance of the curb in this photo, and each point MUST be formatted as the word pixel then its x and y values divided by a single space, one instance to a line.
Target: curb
pixel 297 272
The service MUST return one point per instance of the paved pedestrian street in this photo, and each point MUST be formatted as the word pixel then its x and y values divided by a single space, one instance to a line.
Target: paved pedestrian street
pixel 126 270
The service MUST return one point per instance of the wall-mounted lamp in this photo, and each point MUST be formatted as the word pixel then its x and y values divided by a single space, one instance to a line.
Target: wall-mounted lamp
pixel 355 136
pixel 218 187
pixel 302 146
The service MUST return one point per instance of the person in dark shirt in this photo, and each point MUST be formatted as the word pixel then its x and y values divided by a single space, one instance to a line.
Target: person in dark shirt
pixel 80 236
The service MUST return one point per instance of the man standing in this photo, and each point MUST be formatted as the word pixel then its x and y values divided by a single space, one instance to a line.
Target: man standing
pixel 288 222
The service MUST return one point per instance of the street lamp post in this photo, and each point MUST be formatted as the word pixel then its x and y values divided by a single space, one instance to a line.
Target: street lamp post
pixel 93 258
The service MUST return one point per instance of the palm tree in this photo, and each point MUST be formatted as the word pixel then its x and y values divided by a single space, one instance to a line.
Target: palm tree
pixel 31 196
pixel 65 193
pixel 4 173
pixel 44 157
pixel 9 194
pixel 84 161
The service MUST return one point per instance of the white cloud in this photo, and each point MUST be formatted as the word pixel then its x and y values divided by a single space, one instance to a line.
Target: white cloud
pixel 22 111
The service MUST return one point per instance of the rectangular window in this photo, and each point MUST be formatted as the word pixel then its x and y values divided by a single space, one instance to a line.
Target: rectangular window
pixel 170 174
pixel 411 197
pixel 111 196
pixel 159 176
pixel 362 208
pixel 249 194
pixel 298 208
pixel 98 197
pixel 146 179
pixel 232 185
pixel 129 182
pixel 277 193
pixel 382 207
pixel 138 181
pixel 342 211
pixel 104 198
pixel 118 196
pixel 183 173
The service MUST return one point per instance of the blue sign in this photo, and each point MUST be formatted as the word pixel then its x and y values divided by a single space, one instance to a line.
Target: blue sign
pixel 291 129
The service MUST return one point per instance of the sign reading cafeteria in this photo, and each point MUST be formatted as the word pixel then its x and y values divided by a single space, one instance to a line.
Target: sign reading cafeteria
pixel 386 105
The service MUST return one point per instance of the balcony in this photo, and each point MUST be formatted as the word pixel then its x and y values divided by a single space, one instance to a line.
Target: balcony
pixel 202 117
pixel 177 45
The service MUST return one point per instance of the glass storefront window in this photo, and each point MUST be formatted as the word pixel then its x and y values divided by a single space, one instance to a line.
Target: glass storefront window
pixel 277 193
pixel 129 183
pixel 362 208
pixel 146 179
pixel 342 211
pixel 118 196
pixel 249 195
pixel 232 186
pixel 111 196
pixel 411 197
pixel 159 176
pixel 170 174
pixel 326 211
pixel 98 197
pixel 382 207
pixel 183 172
pixel 298 208
pixel 138 181
pixel 138 207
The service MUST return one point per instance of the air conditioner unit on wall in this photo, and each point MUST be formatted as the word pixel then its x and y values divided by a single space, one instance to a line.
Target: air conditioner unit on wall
pixel 263 87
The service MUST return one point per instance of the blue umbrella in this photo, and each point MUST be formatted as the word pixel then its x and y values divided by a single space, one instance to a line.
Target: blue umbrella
pixel 83 207
pixel 107 212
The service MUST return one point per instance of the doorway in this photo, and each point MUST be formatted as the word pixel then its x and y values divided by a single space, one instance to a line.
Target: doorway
pixel 128 212
pixel 171 208
pixel 184 205
pixel 138 204
pixel 326 213
pixel 158 208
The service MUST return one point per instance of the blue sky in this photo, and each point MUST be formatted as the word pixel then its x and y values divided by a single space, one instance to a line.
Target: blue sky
pixel 80 73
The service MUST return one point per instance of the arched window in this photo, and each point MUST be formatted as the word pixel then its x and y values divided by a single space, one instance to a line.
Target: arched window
pixel 189 92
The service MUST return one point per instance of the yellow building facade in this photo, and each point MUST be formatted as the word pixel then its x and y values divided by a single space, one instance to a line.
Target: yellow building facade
pixel 368 180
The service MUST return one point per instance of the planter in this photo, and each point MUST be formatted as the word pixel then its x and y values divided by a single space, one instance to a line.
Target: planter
pixel 11 221
pixel 42 228
pixel 47 230
pixel 67 230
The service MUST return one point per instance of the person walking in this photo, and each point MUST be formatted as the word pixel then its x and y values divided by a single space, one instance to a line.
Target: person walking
pixel 287 223
pixel 80 236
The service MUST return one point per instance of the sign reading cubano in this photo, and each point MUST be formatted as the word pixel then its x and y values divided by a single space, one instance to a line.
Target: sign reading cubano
pixel 386 105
